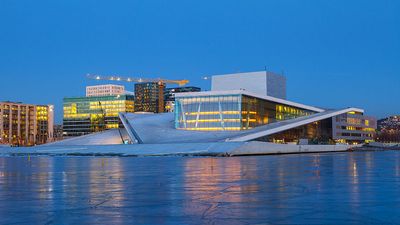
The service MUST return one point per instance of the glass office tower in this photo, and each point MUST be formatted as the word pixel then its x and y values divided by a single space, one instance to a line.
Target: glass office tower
pixel 86 115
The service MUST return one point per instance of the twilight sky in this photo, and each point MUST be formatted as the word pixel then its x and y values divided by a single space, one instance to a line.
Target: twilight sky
pixel 334 53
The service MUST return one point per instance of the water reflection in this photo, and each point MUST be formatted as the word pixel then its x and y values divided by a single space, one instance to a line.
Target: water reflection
pixel 339 188
pixel 211 184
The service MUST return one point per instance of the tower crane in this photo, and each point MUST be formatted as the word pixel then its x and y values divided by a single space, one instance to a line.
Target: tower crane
pixel 136 80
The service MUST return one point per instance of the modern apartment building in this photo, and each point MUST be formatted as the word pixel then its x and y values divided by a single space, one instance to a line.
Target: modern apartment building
pixel 25 124
pixel 104 90
pixel 149 97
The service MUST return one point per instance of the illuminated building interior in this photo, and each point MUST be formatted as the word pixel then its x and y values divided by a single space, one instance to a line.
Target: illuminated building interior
pixel 169 96
pixel 231 112
pixel 319 132
pixel 92 114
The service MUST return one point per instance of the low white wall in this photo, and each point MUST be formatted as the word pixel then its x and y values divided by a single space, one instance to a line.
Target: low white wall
pixel 211 149
pixel 256 147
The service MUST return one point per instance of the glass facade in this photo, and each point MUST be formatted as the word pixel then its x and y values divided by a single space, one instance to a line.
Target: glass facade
pixel 92 114
pixel 230 112
pixel 319 132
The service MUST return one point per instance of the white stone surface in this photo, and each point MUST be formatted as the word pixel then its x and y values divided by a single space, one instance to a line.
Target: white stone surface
pixel 256 147
pixel 108 137
pixel 160 129
pixel 211 149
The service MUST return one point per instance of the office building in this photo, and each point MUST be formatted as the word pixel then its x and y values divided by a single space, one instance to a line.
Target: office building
pixel 169 96
pixel 149 97
pixel 354 127
pixel 262 83
pixel 25 124
pixel 104 90
pixel 85 115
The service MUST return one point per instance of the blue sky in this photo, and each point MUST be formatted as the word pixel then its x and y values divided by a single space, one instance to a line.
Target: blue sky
pixel 334 53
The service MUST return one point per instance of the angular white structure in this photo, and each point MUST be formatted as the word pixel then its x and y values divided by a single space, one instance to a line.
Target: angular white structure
pixel 159 129
pixel 261 83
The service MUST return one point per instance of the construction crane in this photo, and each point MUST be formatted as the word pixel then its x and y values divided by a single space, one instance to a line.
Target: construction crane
pixel 137 80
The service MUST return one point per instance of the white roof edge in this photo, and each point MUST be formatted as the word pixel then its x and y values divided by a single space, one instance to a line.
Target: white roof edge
pixel 250 72
pixel 275 130
pixel 243 92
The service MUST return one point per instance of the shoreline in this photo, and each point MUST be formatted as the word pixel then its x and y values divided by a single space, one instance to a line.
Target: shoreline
pixel 212 149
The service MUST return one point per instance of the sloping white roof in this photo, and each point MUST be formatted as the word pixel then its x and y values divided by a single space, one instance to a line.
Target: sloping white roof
pixel 243 92
pixel 160 129
pixel 108 137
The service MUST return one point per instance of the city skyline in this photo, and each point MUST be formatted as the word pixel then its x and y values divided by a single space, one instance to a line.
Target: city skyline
pixel 333 54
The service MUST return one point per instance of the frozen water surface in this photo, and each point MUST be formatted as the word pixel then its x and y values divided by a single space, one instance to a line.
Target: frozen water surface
pixel 329 188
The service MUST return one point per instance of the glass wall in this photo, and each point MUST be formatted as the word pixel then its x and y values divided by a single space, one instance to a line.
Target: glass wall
pixel 208 113
pixel 256 112
pixel 230 112
pixel 319 132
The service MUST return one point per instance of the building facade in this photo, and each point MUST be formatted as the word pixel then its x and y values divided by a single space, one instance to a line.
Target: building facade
pixel 261 83
pixel 354 128
pixel 169 96
pixel 233 110
pixel 149 97
pixel 26 124
pixel 104 90
pixel 85 115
